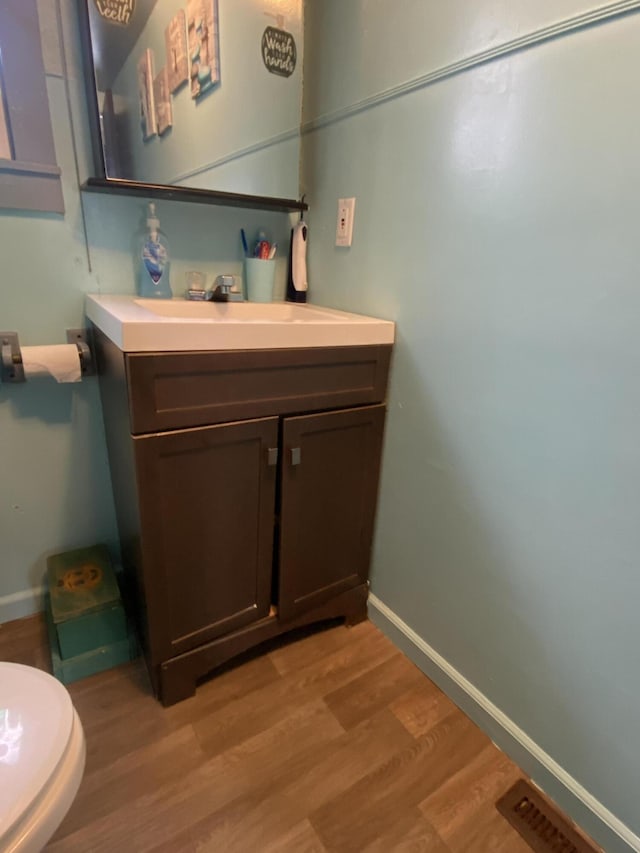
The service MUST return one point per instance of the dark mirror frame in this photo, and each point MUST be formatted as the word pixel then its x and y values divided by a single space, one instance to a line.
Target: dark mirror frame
pixel 100 183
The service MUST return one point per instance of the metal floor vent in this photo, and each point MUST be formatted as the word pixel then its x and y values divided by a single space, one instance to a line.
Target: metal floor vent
pixel 539 824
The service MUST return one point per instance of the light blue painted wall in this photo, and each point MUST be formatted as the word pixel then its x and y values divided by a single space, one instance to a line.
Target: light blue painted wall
pixel 355 50
pixel 247 127
pixel 55 491
pixel 496 221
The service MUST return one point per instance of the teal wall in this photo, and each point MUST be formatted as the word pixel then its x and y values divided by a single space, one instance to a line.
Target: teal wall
pixel 244 135
pixel 55 490
pixel 497 222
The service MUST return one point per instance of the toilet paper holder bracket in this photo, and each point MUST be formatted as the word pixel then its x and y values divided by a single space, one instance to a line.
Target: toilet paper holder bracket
pixel 12 370
pixel 81 338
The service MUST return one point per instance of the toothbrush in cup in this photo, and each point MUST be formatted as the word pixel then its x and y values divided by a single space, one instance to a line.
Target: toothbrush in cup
pixel 245 245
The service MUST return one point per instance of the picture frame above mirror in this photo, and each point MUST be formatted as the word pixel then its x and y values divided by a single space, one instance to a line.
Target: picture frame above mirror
pixel 182 101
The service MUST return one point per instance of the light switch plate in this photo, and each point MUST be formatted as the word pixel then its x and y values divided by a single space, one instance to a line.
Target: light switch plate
pixel 344 225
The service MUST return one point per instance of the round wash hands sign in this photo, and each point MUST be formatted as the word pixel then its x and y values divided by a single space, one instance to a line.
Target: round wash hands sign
pixel 116 11
pixel 279 51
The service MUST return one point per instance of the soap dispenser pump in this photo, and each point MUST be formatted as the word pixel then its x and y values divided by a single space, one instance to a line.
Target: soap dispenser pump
pixel 153 260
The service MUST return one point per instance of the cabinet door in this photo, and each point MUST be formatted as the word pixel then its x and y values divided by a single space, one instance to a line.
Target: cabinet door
pixel 330 471
pixel 207 503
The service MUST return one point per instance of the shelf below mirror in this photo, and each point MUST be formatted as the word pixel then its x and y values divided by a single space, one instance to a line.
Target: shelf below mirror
pixel 190 194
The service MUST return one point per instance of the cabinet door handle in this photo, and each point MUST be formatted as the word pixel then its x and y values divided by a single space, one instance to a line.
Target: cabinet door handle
pixel 272 456
pixel 296 455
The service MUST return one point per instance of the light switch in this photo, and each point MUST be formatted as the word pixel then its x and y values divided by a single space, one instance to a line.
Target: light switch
pixel 344 225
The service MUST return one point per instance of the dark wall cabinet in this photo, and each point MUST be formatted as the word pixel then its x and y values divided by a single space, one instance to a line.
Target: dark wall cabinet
pixel 245 486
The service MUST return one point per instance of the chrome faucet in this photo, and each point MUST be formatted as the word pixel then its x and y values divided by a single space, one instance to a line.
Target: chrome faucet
pixel 222 291
pixel 223 285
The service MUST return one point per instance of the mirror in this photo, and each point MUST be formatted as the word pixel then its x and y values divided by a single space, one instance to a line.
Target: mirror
pixel 202 94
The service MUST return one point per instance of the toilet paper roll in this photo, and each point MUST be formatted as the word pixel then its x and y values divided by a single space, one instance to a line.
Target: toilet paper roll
pixel 61 361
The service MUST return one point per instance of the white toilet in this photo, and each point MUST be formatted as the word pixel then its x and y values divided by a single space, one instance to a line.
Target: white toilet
pixel 42 755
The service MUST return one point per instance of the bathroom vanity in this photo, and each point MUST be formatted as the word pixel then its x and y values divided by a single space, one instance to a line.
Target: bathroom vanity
pixel 245 455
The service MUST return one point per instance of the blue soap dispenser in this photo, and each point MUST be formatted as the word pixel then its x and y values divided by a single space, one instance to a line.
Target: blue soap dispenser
pixel 153 259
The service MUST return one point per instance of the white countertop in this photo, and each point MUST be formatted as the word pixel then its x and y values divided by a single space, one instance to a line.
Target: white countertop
pixel 176 325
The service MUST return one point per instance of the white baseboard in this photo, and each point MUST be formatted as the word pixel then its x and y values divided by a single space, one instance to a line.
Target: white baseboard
pixel 583 807
pixel 21 604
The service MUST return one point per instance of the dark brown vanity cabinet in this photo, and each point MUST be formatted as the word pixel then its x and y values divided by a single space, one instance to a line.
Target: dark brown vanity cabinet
pixel 245 486
pixel 329 485
pixel 207 498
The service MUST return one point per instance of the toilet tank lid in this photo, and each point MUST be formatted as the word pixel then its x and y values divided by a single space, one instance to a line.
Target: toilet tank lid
pixel 36 718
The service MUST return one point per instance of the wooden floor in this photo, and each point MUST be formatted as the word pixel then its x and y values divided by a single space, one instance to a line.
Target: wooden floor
pixel 335 742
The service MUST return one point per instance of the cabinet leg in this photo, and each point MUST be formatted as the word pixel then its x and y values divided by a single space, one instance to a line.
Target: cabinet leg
pixel 176 685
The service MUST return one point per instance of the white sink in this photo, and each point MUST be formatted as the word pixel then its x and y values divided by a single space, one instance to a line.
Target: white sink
pixel 240 312
pixel 175 325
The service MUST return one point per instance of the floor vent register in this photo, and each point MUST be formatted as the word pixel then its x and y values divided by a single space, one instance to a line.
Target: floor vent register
pixel 539 824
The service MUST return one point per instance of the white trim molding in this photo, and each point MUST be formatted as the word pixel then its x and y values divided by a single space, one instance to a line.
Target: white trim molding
pixel 536 37
pixel 570 795
pixel 262 145
pixel 23 603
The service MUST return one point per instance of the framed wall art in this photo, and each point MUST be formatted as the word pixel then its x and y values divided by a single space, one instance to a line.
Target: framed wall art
pixel 5 142
pixel 145 94
pixel 116 11
pixel 204 51
pixel 175 37
pixel 162 100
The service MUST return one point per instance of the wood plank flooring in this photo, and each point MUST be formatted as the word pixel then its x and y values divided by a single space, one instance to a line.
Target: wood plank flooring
pixel 334 742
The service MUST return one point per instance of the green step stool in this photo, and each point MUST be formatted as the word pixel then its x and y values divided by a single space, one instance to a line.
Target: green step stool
pixel 88 663
pixel 85 607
